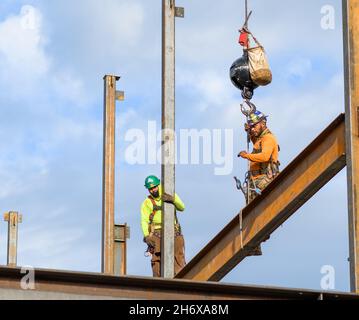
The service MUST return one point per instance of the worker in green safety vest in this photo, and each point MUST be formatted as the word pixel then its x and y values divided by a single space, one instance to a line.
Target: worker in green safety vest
pixel 151 223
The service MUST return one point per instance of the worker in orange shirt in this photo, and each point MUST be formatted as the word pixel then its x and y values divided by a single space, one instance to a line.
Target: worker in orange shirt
pixel 264 163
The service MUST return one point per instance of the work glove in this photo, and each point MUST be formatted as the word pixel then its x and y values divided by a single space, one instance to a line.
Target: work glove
pixel 168 198
pixel 149 241
pixel 242 154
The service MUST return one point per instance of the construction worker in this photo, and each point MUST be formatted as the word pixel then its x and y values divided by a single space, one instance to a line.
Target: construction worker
pixel 264 164
pixel 151 223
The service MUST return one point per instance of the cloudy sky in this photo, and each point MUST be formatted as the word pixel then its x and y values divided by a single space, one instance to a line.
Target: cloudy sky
pixel 53 56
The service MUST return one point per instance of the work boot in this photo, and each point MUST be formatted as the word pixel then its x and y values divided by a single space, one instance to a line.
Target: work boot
pixel 256 252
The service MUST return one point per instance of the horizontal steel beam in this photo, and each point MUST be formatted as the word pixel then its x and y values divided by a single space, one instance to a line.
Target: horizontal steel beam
pixel 298 182
pixel 52 284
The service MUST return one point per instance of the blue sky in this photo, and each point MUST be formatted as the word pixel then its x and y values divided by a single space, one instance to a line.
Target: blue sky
pixel 51 126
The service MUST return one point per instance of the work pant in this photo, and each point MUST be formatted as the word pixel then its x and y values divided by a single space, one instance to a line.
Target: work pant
pixel 260 183
pixel 179 252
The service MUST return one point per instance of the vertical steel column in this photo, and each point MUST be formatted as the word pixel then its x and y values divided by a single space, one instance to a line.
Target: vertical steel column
pixel 122 233
pixel 168 136
pixel 351 58
pixel 13 219
pixel 108 191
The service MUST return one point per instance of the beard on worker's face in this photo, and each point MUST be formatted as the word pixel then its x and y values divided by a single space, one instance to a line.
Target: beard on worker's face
pixel 155 194
pixel 256 133
pixel 260 130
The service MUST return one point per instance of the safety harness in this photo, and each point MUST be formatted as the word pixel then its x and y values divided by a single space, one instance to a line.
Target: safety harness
pixel 154 210
pixel 151 249
pixel 270 168
pixel 151 227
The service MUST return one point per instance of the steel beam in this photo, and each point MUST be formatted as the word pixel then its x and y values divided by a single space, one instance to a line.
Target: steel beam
pixel 351 59
pixel 108 184
pixel 302 178
pixel 122 233
pixel 54 284
pixel 168 135
pixel 13 219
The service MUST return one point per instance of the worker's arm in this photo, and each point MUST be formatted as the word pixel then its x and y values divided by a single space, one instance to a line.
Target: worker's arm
pixel 178 203
pixel 268 145
pixel 145 217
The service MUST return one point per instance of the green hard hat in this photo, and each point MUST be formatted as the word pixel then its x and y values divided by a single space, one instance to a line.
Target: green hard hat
pixel 151 182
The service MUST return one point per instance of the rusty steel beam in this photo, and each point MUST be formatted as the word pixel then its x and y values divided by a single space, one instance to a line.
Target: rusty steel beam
pixel 122 233
pixel 298 182
pixel 108 184
pixel 54 284
pixel 351 62
pixel 168 136
pixel 168 170
pixel 13 219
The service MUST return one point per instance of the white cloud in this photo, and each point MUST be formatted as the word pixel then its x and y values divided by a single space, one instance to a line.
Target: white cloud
pixel 119 20
pixel 20 174
pixel 298 67
pixel 99 35
pixel 49 246
pixel 27 70
pixel 208 85
pixel 22 47
pixel 71 130
pixel 70 88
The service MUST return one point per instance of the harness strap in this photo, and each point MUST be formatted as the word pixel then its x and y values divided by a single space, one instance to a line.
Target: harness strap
pixel 259 172
pixel 155 209
pixel 265 167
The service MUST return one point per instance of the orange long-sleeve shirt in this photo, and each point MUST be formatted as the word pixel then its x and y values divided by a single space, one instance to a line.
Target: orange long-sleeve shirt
pixel 264 148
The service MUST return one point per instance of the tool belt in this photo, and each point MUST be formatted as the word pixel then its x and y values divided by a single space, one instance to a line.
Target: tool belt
pixel 271 169
pixel 157 232
pixel 258 172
